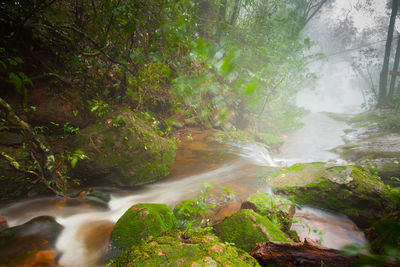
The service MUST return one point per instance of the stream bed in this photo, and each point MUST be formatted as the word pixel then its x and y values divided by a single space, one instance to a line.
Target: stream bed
pixel 240 167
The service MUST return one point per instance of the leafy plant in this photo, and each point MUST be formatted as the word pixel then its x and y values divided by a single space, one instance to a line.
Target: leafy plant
pixel 98 107
pixel 75 156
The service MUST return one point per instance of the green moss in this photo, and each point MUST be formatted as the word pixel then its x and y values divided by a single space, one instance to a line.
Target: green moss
pixel 276 208
pixel 126 147
pixel 246 228
pixel 297 167
pixel 336 116
pixel 201 249
pixel 140 222
pixel 346 189
pixel 369 116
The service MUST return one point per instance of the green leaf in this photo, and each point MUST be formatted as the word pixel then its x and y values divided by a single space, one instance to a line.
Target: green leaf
pixel 251 87
pixel 16 80
pixel 74 161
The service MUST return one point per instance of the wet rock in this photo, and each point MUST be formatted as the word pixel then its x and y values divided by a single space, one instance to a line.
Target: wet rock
pixel 138 223
pixel 10 138
pixel 3 223
pixel 246 228
pixel 96 235
pixel 123 150
pixel 96 196
pixel 349 190
pixel 43 258
pixel 23 243
pixel 201 249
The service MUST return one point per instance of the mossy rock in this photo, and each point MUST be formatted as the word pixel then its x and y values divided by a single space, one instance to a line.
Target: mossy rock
pixel 246 228
pixel 201 249
pixel 276 208
pixel 350 190
pixel 385 234
pixel 123 150
pixel 139 222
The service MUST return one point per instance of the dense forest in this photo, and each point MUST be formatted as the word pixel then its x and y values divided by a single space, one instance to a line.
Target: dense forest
pixel 103 93
pixel 75 68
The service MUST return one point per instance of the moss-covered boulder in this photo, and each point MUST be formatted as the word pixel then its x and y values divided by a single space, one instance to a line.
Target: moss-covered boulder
pixel 246 228
pixel 346 189
pixel 123 149
pixel 276 208
pixel 202 249
pixel 140 222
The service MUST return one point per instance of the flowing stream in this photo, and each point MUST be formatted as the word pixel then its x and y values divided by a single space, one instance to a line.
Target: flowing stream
pixel 241 167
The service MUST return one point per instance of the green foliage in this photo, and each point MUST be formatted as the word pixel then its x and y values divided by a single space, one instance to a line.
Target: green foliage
pixel 75 156
pixel 391 121
pixel 98 107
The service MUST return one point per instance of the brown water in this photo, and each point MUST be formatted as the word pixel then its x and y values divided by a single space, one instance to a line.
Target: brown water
pixel 241 167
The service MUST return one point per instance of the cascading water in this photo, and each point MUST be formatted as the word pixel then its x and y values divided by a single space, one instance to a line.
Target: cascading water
pixel 86 228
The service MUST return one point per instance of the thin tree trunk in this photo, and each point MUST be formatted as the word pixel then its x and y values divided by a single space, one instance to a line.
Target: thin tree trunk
pixel 235 12
pixel 382 98
pixel 395 68
pixel 221 18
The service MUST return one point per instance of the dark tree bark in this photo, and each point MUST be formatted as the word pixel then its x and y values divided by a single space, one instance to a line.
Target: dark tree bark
pixel 304 254
pixel 382 97
pixel 395 68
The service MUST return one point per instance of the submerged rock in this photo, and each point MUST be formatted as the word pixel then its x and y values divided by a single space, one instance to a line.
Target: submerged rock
pixel 169 249
pixel 30 244
pixel 246 228
pixel 140 222
pixel 95 196
pixel 123 150
pixel 349 190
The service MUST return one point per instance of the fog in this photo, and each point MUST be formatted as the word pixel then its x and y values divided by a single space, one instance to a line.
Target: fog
pixel 339 87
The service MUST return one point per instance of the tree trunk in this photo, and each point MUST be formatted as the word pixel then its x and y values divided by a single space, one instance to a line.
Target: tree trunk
pixel 235 12
pixel 395 68
pixel 382 98
pixel 221 18
pixel 304 254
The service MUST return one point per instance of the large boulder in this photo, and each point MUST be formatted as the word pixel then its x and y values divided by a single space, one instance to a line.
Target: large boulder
pixel 123 149
pixel 349 190
pixel 169 249
pixel 246 228
pixel 140 222
pixel 30 244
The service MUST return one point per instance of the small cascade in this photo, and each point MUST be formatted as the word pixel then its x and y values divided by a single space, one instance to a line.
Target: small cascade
pixel 256 153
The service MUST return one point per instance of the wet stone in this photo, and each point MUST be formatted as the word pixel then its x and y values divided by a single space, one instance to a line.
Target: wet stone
pixel 21 243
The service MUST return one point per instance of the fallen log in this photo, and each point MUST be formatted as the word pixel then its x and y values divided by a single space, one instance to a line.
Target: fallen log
pixel 307 253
